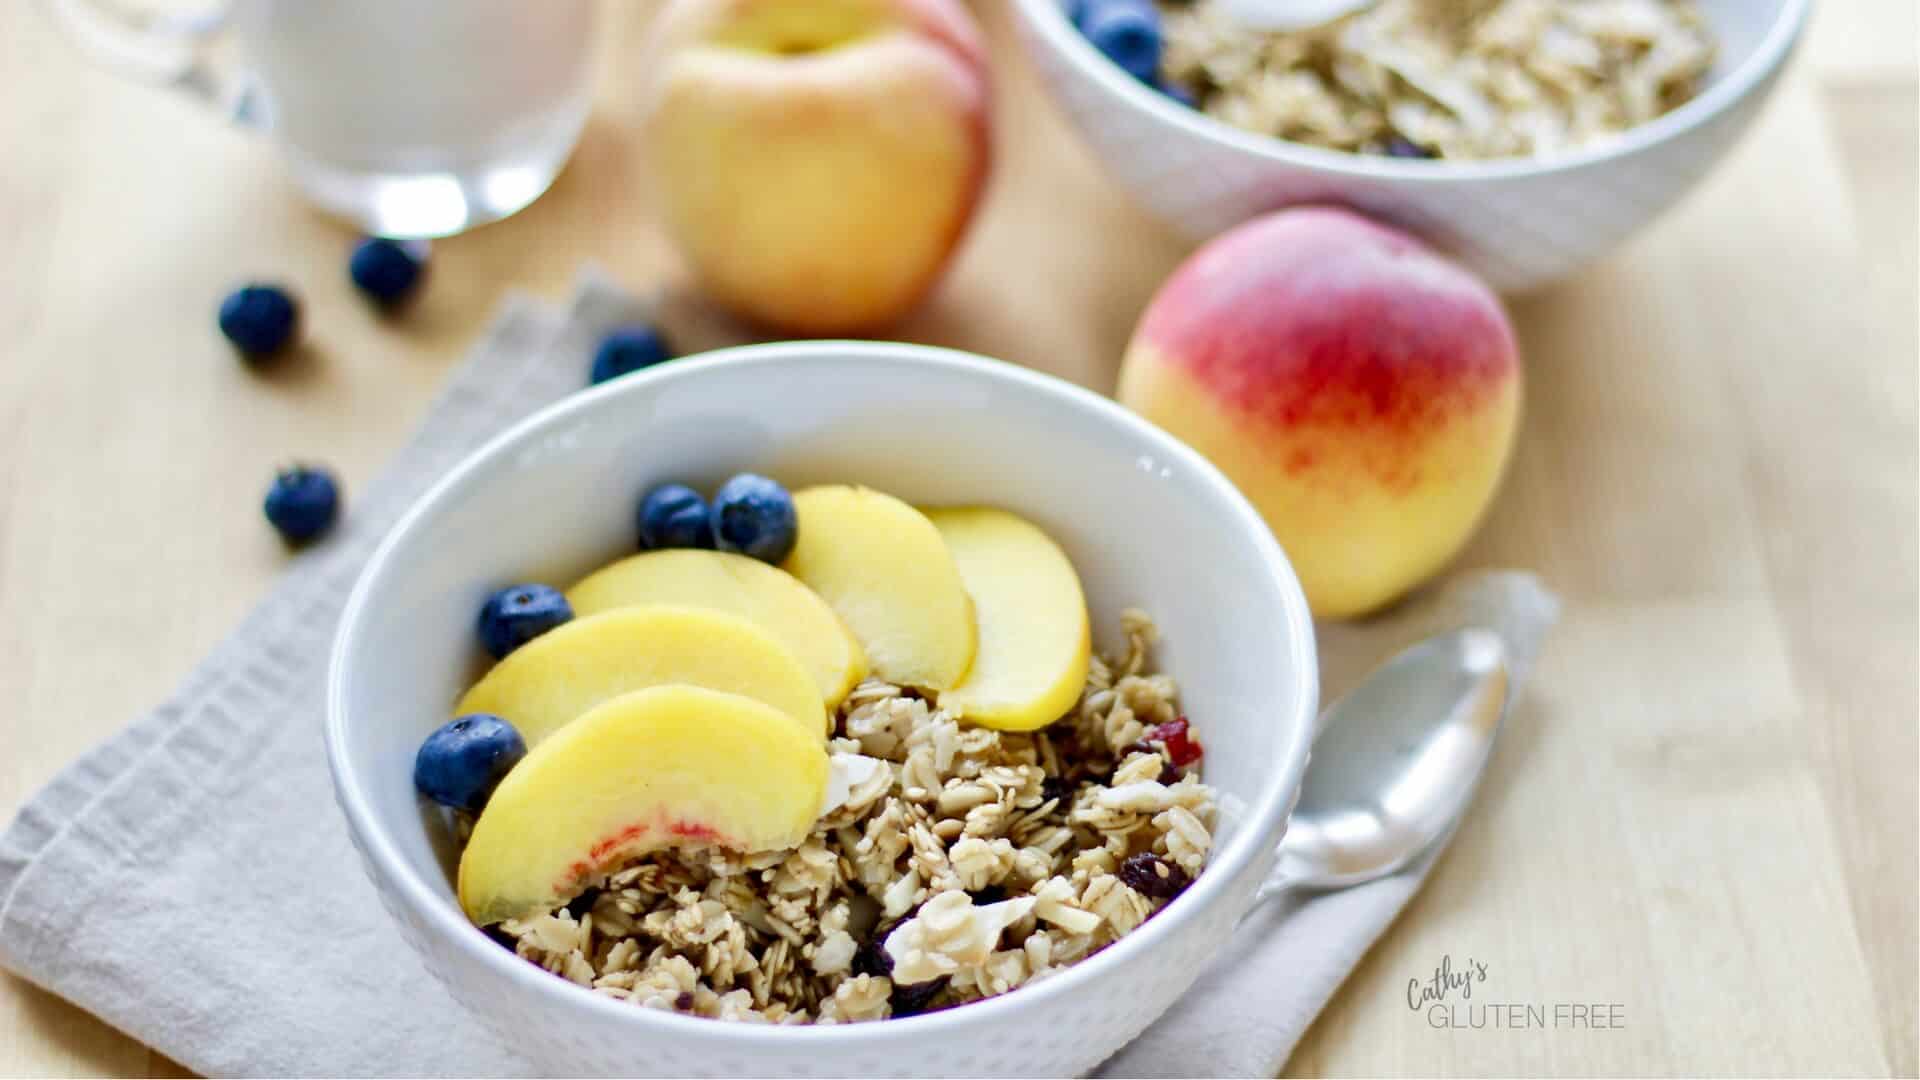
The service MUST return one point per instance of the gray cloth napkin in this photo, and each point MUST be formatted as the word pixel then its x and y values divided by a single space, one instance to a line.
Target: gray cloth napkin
pixel 191 882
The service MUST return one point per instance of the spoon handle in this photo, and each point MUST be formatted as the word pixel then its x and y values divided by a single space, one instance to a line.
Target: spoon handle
pixel 1288 874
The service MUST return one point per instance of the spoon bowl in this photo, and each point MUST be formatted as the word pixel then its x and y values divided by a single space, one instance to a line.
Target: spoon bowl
pixel 1395 762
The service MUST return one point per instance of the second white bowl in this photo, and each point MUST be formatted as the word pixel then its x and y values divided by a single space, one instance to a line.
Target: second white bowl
pixel 1519 223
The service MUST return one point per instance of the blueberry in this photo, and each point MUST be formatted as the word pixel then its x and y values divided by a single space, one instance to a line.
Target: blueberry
pixel 754 516
pixel 260 320
pixel 674 516
pixel 1076 10
pixel 302 503
pixel 519 613
pixel 1128 31
pixel 386 270
pixel 465 759
pixel 1175 91
pixel 627 350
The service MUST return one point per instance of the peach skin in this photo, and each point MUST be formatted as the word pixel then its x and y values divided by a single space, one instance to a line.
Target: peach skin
pixel 1361 390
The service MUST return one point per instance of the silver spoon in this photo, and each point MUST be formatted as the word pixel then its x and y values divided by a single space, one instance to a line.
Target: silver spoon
pixel 1394 763
pixel 1282 15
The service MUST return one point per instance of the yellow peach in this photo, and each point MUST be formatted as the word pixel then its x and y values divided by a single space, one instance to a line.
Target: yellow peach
pixel 771 598
pixel 1031 661
pixel 817 160
pixel 545 684
pixel 883 567
pixel 662 767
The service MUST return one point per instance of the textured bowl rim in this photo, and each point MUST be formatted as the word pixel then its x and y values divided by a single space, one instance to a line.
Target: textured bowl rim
pixel 1261 825
pixel 1048 20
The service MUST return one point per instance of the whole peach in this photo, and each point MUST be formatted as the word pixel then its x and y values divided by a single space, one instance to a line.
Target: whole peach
pixel 1361 390
pixel 817 160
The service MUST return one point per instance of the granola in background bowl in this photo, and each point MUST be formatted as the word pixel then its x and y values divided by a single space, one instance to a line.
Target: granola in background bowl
pixel 1450 79
pixel 955 863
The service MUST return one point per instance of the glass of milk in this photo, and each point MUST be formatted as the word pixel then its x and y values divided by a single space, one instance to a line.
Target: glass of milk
pixel 410 117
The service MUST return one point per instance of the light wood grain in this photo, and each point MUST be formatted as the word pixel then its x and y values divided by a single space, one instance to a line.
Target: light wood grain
pixel 1706 810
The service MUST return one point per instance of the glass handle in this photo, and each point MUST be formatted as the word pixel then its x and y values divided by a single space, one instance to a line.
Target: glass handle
pixel 162 49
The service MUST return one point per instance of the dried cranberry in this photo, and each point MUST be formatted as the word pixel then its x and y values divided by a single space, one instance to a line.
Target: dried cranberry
pixel 684 1001
pixel 1153 877
pixel 872 959
pixel 1182 750
pixel 580 905
pixel 1400 146
pixel 991 894
pixel 1169 774
pixel 1056 787
pixel 914 998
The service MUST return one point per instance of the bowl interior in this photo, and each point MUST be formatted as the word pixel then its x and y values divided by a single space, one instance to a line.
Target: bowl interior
pixel 1740 26
pixel 1146 522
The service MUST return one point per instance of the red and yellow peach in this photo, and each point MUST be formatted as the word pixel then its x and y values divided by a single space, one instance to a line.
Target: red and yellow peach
pixel 1362 391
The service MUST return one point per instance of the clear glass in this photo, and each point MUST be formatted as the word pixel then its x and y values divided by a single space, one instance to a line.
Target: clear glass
pixel 411 118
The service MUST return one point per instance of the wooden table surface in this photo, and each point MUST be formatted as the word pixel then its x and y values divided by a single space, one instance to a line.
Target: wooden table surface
pixel 1705 811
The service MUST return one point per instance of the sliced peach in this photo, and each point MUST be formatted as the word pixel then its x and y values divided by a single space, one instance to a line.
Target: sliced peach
pixel 1031 662
pixel 544 684
pixel 766 595
pixel 882 566
pixel 662 767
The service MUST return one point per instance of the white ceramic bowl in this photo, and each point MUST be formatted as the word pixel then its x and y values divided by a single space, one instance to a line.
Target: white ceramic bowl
pixel 1146 520
pixel 1519 223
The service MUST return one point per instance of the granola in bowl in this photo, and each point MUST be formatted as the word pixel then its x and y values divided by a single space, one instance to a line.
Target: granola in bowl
pixel 1449 79
pixel 954 863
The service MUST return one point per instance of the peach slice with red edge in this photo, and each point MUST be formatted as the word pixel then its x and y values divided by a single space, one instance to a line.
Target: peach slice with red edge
pixel 882 566
pixel 668 766
pixel 769 597
pixel 546 683
pixel 1031 660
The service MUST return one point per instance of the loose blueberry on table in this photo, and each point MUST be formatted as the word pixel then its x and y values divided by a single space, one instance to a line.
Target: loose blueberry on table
pixel 386 270
pixel 627 350
pixel 754 516
pixel 302 503
pixel 259 319
pixel 461 763
pixel 517 614
pixel 674 516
